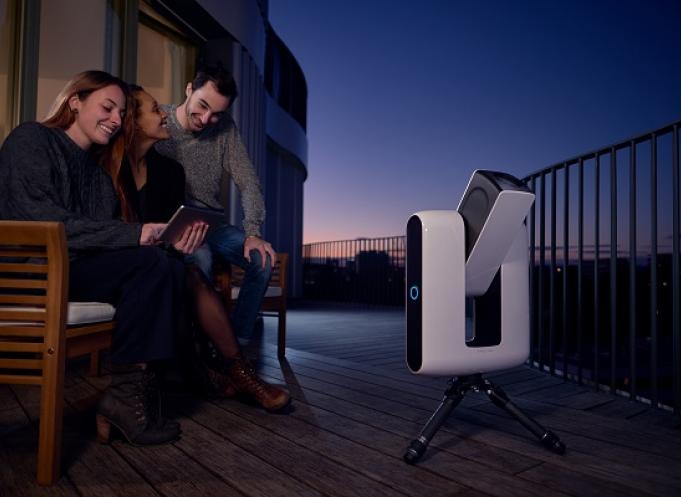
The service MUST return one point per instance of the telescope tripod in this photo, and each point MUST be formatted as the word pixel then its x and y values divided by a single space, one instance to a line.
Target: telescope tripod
pixel 456 389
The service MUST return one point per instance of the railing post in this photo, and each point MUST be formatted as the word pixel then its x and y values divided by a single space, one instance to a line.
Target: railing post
pixel 676 290
pixel 580 269
pixel 597 252
pixel 632 270
pixel 566 258
pixel 653 270
pixel 613 269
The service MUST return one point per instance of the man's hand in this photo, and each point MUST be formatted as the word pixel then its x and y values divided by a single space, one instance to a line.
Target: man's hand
pixel 151 232
pixel 255 243
pixel 192 238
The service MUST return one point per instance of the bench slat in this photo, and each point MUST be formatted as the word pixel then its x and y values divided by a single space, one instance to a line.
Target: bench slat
pixel 23 299
pixel 21 364
pixel 21 346
pixel 23 268
pixel 23 331
pixel 15 283
pixel 17 379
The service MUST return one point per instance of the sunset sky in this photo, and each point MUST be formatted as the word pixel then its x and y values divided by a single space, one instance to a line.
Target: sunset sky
pixel 406 99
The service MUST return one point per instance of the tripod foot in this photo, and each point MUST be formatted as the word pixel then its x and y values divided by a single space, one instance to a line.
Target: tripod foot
pixel 414 452
pixel 551 441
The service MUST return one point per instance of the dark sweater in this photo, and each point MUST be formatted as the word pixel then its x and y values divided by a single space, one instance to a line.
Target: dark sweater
pixel 45 176
pixel 163 192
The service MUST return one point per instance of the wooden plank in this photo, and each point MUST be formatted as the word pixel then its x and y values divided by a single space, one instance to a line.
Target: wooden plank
pixel 32 331
pixel 403 376
pixel 16 379
pixel 619 408
pixel 306 430
pixel 7 398
pixel 478 476
pixel 658 417
pixel 23 299
pixel 23 268
pixel 637 436
pixel 249 474
pixel 27 252
pixel 21 364
pixel 584 485
pixel 12 419
pixel 73 331
pixel 99 471
pixel 18 469
pixel 434 392
pixel 317 471
pixel 21 346
pixel 19 283
pixel 174 474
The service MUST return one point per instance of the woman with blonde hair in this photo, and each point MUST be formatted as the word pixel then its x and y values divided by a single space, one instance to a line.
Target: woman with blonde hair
pixel 51 171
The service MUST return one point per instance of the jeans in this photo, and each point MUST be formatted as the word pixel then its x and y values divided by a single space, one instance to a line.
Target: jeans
pixel 227 243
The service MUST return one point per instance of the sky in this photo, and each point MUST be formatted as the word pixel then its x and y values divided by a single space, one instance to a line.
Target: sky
pixel 407 99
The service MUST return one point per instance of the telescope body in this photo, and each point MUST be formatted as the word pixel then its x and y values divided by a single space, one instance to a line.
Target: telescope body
pixel 467 285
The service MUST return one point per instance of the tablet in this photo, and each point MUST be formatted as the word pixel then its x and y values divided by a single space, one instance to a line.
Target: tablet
pixel 185 216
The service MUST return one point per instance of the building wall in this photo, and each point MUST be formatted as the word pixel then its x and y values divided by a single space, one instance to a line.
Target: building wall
pixel 154 44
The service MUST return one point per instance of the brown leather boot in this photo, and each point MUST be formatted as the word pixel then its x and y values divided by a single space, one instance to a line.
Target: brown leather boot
pixel 242 378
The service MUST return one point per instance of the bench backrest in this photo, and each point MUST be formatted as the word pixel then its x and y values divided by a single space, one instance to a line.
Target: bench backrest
pixel 33 289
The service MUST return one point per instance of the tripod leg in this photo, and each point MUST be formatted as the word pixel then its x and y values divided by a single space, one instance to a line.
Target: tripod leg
pixel 549 439
pixel 418 446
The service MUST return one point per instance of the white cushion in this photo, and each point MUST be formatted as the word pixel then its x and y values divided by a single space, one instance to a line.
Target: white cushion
pixel 77 313
pixel 272 291
pixel 89 312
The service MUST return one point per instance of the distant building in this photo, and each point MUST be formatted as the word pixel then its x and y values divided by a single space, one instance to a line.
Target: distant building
pixel 157 44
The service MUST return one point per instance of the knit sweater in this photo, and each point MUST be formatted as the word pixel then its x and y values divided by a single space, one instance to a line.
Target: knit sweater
pixel 207 156
pixel 45 176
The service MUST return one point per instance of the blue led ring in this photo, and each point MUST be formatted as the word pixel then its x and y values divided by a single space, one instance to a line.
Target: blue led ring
pixel 414 292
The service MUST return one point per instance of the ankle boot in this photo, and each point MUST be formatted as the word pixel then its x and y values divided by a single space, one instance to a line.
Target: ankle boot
pixel 242 379
pixel 132 404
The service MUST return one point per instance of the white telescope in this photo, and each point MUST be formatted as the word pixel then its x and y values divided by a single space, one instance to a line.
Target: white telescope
pixel 467 302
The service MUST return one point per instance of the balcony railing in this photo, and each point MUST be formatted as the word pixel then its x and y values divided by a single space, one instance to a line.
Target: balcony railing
pixel 367 271
pixel 604 249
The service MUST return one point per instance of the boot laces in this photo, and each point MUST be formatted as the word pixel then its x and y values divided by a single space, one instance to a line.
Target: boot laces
pixel 147 398
pixel 251 379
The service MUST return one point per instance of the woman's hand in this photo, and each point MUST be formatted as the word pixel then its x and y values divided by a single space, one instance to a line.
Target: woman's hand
pixel 192 238
pixel 151 232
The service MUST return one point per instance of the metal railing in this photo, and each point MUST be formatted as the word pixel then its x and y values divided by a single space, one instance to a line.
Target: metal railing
pixel 604 273
pixel 369 271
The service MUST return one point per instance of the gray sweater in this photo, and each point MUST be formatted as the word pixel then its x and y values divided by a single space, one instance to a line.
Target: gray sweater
pixel 206 157
pixel 45 176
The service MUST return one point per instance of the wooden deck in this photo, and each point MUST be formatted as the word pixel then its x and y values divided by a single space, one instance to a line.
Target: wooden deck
pixel 355 409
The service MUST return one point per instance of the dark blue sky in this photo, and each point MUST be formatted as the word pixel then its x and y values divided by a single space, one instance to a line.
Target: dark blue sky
pixel 406 99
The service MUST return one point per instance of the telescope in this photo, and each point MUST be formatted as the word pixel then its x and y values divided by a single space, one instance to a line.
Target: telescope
pixel 467 297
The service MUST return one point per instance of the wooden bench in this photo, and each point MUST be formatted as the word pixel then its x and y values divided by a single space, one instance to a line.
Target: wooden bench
pixel 39 329
pixel 228 282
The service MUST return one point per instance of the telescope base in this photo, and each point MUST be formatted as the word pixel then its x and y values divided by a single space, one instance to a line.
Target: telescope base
pixel 456 389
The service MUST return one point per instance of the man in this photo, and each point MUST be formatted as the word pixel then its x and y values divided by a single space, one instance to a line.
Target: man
pixel 205 140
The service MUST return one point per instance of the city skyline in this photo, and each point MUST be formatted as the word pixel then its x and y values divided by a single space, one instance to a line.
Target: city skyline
pixel 405 102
